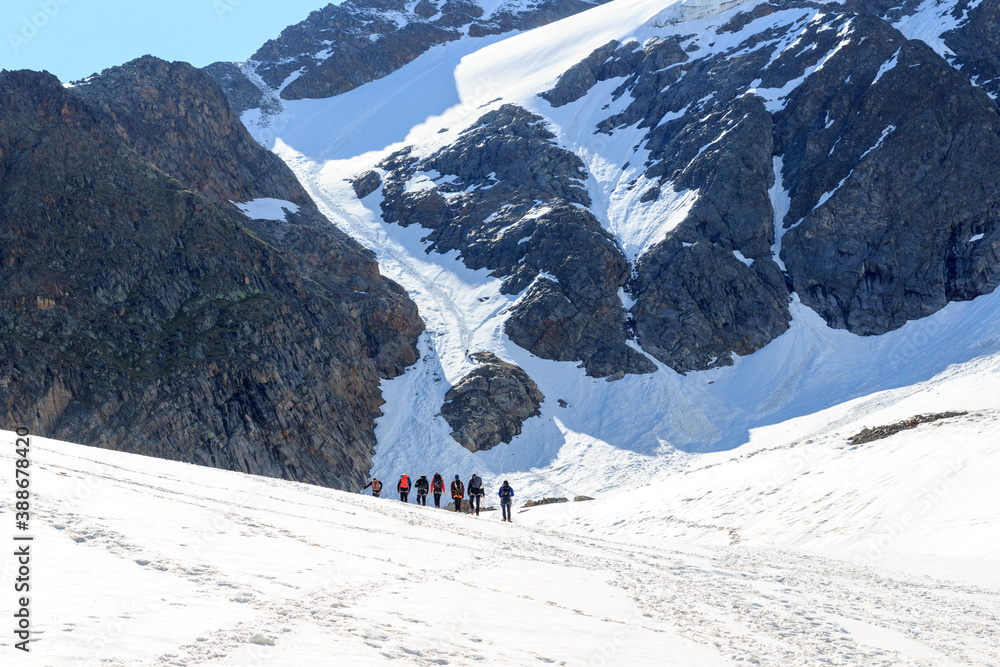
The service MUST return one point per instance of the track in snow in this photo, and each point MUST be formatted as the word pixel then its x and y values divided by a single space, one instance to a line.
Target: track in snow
pixel 334 576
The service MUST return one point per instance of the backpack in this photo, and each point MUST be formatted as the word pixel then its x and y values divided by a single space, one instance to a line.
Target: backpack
pixel 457 489
pixel 438 484
pixel 404 482
pixel 376 486
pixel 475 485
pixel 422 485
pixel 506 491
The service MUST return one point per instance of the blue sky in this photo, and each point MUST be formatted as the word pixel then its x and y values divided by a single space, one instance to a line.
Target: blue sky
pixel 74 38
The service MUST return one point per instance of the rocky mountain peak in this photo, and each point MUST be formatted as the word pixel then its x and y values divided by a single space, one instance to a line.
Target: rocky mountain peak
pixel 342 46
pixel 178 118
pixel 143 312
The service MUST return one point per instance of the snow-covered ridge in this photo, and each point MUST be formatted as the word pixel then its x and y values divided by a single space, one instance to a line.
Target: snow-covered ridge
pixel 692 10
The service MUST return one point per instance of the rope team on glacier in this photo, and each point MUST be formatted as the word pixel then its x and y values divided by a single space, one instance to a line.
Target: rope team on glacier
pixel 435 486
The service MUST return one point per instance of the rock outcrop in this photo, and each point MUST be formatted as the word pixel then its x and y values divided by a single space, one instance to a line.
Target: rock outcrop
pixel 896 207
pixel 489 405
pixel 176 117
pixel 366 183
pixel 874 433
pixel 976 42
pixel 510 200
pixel 710 288
pixel 888 156
pixel 143 312
pixel 242 93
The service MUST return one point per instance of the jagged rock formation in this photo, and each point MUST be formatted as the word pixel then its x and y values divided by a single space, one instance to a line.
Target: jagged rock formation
pixel 710 288
pixel 489 405
pixel 895 237
pixel 976 44
pixel 343 46
pixel 174 115
pixel 889 157
pixel 512 201
pixel 141 311
pixel 238 88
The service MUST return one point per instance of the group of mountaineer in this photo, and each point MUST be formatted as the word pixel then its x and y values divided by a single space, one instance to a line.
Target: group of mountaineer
pixel 435 486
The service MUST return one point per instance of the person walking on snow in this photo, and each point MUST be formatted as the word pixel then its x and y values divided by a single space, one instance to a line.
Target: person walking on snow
pixel 476 493
pixel 458 492
pixel 404 488
pixel 422 486
pixel 376 487
pixel 437 488
pixel 506 495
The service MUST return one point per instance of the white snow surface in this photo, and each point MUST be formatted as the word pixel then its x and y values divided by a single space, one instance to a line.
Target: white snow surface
pixel 267 208
pixel 886 66
pixel 610 434
pixel 797 548
pixel 929 23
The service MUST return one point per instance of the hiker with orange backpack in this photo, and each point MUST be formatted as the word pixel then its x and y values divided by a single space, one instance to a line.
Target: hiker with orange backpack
pixel 437 488
pixel 422 486
pixel 376 487
pixel 404 488
pixel 458 492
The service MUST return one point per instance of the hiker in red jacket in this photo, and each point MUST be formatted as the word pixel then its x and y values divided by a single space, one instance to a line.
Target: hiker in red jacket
pixel 404 488
pixel 437 488
pixel 458 492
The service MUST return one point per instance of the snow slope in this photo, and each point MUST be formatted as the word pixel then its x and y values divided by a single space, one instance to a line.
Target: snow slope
pixel 916 500
pixel 794 549
pixel 599 440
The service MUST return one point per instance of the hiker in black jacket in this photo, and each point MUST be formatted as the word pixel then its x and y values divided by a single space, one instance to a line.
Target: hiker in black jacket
pixel 476 493
pixel 458 492
pixel 422 486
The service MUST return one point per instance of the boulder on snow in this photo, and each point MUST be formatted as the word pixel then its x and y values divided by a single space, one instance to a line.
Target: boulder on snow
pixel 489 405
pixel 366 183
pixel 879 432
pixel 544 501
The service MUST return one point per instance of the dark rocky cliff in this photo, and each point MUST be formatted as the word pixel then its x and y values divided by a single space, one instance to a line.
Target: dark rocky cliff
pixel 142 312
pixel 888 153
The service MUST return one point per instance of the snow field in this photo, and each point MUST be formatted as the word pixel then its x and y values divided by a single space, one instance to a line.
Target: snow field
pixel 151 562
pixel 914 501
pixel 758 556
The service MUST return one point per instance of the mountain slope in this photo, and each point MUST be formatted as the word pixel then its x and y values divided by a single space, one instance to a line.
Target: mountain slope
pixel 140 314
pixel 772 173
